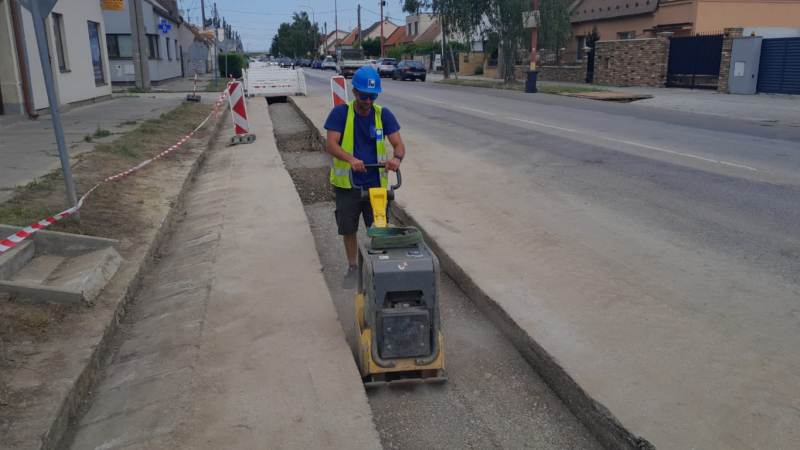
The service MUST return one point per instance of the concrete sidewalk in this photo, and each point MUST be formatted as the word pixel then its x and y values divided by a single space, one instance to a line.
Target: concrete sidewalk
pixel 28 148
pixel 236 342
pixel 760 107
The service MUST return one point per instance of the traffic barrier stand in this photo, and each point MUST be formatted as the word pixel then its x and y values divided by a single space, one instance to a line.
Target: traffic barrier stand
pixel 193 97
pixel 339 91
pixel 239 115
pixel 11 241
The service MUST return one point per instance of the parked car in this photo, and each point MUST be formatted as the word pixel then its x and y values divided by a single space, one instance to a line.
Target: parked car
pixel 385 66
pixel 329 64
pixel 411 70
pixel 287 63
pixel 318 64
pixel 305 63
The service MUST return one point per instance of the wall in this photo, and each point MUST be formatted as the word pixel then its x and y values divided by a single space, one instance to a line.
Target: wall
pixel 714 15
pixel 569 74
pixel 773 32
pixel 667 13
pixel 163 69
pixel 77 84
pixel 388 29
pixel 475 60
pixel 425 20
pixel 635 62
pixel 10 85
pixel 725 61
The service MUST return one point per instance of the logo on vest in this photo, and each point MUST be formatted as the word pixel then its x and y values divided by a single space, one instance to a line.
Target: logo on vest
pixel 379 134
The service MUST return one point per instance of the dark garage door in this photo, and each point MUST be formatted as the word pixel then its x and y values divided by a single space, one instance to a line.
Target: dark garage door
pixel 779 70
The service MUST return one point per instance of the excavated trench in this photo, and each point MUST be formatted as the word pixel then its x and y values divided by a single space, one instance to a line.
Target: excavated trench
pixel 493 397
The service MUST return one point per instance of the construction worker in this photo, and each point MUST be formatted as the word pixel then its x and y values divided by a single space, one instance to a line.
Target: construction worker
pixel 357 133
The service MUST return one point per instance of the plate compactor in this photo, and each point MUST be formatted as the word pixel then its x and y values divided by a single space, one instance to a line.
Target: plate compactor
pixel 397 302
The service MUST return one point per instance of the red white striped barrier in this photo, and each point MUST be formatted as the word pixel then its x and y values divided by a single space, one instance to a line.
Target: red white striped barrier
pixel 339 91
pixel 9 242
pixel 193 97
pixel 239 115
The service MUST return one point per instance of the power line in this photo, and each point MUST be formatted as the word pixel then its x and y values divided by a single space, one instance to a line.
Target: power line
pixel 280 14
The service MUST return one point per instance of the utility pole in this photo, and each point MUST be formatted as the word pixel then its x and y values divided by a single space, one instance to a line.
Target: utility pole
pixel 325 44
pixel 382 3
pixel 359 28
pixel 141 66
pixel 203 8
pixel 335 25
pixel 216 44
pixel 443 58
pixel 534 35
pixel 38 15
pixel 313 30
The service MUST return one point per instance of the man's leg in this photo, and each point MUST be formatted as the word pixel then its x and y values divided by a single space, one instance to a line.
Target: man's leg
pixel 351 247
pixel 348 210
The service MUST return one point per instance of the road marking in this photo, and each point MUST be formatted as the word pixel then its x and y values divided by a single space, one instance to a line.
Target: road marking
pixel 621 141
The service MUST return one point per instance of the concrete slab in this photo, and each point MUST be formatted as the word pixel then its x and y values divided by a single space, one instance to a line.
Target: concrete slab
pixel 66 268
pixel 238 297
pixel 13 260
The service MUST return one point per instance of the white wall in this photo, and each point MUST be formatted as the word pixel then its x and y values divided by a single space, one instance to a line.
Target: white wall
pixel 775 32
pixel 78 83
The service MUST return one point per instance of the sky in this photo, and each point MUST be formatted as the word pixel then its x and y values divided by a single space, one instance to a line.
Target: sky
pixel 257 21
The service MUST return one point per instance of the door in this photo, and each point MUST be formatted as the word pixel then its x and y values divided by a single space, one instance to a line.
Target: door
pixel 779 69
pixel 694 61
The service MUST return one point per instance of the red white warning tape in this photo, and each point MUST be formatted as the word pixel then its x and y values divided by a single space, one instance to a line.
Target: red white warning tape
pixel 9 242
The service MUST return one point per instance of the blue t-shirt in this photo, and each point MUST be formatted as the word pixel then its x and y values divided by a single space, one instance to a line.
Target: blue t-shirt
pixel 365 145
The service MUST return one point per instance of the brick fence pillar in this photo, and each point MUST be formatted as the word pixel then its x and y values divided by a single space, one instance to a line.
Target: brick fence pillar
pixel 725 61
pixel 663 61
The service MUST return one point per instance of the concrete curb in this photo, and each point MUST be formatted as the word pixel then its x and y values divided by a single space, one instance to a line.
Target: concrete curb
pixel 70 405
pixel 596 417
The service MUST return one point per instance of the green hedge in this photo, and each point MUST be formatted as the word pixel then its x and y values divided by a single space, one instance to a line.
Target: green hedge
pixel 235 65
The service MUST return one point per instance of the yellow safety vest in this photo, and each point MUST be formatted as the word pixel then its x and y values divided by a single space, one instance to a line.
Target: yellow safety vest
pixel 340 172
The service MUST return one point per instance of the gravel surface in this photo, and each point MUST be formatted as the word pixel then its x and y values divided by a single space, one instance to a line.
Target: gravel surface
pixel 493 398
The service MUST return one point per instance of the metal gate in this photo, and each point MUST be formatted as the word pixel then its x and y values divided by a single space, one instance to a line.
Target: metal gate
pixel 779 68
pixel 694 61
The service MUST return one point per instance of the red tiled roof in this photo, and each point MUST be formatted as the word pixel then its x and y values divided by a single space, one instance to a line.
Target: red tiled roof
pixel 407 39
pixel 396 36
pixel 430 34
pixel 350 38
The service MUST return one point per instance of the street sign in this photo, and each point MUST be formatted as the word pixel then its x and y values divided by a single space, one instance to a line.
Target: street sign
pixel 164 26
pixel 114 5
pixel 530 19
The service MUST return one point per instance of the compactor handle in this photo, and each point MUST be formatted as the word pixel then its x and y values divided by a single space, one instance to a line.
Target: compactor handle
pixel 382 165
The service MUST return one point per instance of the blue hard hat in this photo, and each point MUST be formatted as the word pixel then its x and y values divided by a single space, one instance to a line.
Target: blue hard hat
pixel 367 80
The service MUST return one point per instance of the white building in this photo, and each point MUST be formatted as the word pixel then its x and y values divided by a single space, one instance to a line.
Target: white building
pixel 75 31
pixel 164 52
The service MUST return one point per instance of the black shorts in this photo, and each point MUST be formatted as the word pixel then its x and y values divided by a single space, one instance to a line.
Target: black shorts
pixel 348 209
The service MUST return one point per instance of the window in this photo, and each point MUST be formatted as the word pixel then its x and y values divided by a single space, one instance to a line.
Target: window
pixel 97 57
pixel 119 46
pixel 581 44
pixel 416 27
pixel 58 31
pixel 153 51
pixel 169 50
pixel 177 52
pixel 626 35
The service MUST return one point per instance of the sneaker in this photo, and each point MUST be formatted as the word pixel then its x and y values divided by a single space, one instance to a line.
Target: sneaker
pixel 351 278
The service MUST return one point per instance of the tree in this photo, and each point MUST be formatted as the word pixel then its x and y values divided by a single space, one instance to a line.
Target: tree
pixel 555 29
pixel 592 37
pixel 480 18
pixel 372 47
pixel 295 39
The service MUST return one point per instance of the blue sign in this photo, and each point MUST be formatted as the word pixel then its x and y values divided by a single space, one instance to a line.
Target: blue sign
pixel 164 26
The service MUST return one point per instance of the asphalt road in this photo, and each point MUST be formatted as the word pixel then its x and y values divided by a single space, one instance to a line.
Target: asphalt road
pixel 690 219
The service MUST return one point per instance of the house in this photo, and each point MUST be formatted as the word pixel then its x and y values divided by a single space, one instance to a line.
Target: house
pixel 162 22
pixel 417 24
pixel 393 40
pixel 74 32
pixel 374 31
pixel 349 41
pixel 641 19
pixel 330 41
